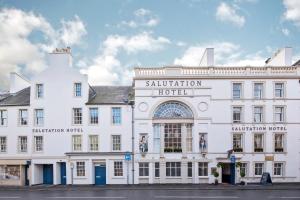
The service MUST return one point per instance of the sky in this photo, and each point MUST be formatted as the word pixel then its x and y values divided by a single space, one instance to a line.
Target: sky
pixel 109 38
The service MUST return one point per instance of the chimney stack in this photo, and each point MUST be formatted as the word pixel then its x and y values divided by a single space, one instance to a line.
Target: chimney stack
pixel 207 58
pixel 60 57
pixel 17 82
pixel 283 57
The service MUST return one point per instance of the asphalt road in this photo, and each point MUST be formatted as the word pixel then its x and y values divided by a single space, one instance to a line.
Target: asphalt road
pixel 145 194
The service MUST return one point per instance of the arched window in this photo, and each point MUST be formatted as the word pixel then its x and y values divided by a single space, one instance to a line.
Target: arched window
pixel 173 110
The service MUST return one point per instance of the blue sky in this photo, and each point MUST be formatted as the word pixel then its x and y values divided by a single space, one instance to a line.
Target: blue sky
pixel 109 38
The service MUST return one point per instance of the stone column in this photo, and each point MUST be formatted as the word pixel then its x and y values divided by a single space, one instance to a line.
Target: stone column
pixel 151 172
pixel 162 171
pixel 184 174
pixel 196 173
pixel 183 139
pixel 162 139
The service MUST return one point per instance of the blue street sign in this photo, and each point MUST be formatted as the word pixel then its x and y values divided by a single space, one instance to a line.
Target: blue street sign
pixel 127 156
pixel 232 159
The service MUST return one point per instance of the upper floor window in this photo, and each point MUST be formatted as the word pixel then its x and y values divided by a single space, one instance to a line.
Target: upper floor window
pixel 172 134
pixel 258 142
pixel 3 117
pixel 116 142
pixel 93 115
pixel 237 114
pixel 258 90
pixel 39 90
pixel 237 90
pixel 279 142
pixel 76 142
pixel 38 143
pixel 258 114
pixel 23 117
pixel 279 114
pixel 94 143
pixel 39 117
pixel 77 89
pixel 237 142
pixel 189 138
pixel 80 168
pixel 3 144
pixel 22 144
pixel 279 90
pixel 116 115
pixel 77 116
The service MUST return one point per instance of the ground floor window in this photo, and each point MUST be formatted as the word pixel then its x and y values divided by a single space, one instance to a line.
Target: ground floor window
pixel 278 169
pixel 9 172
pixel 143 169
pixel 190 169
pixel 118 168
pixel 80 168
pixel 156 169
pixel 258 169
pixel 173 169
pixel 244 169
pixel 202 169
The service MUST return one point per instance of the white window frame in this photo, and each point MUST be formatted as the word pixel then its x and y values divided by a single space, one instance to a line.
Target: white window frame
pixel 3 117
pixel 283 90
pixel 262 113
pixel 204 169
pixel 80 169
pixel 263 142
pixel 20 149
pixel 283 113
pixel 3 144
pixel 189 137
pixel 242 141
pixel 113 121
pixel 246 168
pixel 144 168
pixel 241 114
pixel 113 144
pixel 96 145
pixel 175 168
pixel 76 146
pixel 41 149
pixel 118 165
pixel 93 120
pixel 241 90
pixel 156 169
pixel 283 134
pixel 23 118
pixel 263 168
pixel 75 89
pixel 262 92
pixel 77 117
pixel 39 93
pixel 282 171
pixel 39 120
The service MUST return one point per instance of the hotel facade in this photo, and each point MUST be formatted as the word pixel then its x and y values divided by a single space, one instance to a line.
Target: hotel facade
pixel 174 124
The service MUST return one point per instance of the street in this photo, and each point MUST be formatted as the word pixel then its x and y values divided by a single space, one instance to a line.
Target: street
pixel 145 193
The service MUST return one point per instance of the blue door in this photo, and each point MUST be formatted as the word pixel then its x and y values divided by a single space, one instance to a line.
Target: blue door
pixel 232 173
pixel 47 174
pixel 63 173
pixel 100 175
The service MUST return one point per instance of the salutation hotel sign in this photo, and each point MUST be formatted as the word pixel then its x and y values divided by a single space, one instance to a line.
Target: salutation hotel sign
pixel 173 87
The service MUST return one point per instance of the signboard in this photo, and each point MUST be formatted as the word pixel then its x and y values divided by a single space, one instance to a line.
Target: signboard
pixel 258 128
pixel 127 156
pixel 232 159
pixel 265 178
pixel 269 158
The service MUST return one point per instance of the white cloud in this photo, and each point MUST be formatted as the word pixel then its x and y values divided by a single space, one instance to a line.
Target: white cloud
pixel 225 53
pixel 142 12
pixel 17 52
pixel 292 12
pixel 181 44
pixel 285 31
pixel 227 13
pixel 106 68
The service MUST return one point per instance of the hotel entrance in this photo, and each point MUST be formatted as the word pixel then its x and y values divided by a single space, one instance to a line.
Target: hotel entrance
pixel 228 173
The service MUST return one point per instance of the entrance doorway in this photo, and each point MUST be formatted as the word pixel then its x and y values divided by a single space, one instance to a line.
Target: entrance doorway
pixel 48 174
pixel 100 174
pixel 228 173
pixel 63 173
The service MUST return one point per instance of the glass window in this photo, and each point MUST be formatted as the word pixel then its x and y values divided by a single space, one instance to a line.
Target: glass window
pixel 258 142
pixel 157 169
pixel 278 169
pixel 3 117
pixel 237 142
pixel 172 138
pixel 258 169
pixel 39 117
pixel 202 169
pixel 244 168
pixel 94 143
pixel 76 142
pixel 156 138
pixel 118 168
pixel 173 169
pixel 116 142
pixel 9 172
pixel 258 90
pixel 77 89
pixel 237 114
pixel 39 90
pixel 3 144
pixel 80 168
pixel 279 113
pixel 38 143
pixel 77 116
pixel 258 114
pixel 22 144
pixel 236 90
pixel 23 117
pixel 116 115
pixel 173 110
pixel 279 142
pixel 189 138
pixel 190 169
pixel 93 115
pixel 143 169
pixel 279 90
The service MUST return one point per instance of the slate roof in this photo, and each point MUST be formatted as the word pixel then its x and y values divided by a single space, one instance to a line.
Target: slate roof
pixel 110 94
pixel 21 98
pixel 296 63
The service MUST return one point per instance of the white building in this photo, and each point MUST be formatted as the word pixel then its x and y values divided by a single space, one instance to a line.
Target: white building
pixel 189 122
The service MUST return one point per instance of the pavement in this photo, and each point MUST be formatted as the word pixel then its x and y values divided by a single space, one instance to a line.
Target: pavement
pixel 155 192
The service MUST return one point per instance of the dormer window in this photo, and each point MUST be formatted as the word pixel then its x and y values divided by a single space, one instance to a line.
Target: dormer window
pixel 39 91
pixel 77 89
